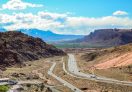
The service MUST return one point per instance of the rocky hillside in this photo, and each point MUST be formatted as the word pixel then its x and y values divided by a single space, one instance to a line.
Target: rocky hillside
pixel 112 57
pixel 114 62
pixel 16 47
pixel 107 37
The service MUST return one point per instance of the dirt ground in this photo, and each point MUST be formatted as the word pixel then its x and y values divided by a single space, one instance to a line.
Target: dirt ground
pixel 88 85
pixel 119 73
pixel 38 70
pixel 31 71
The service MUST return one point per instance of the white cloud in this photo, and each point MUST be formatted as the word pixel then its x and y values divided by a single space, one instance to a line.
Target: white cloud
pixel 53 16
pixel 28 20
pixel 63 23
pixel 102 21
pixel 120 13
pixel 18 5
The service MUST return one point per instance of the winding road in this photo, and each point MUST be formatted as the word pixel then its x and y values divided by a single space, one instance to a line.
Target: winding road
pixel 65 83
pixel 74 71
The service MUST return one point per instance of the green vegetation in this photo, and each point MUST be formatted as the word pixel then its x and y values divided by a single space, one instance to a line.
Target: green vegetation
pixel 76 45
pixel 4 88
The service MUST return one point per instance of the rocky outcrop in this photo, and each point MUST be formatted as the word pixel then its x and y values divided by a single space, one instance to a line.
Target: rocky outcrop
pixel 107 37
pixel 16 48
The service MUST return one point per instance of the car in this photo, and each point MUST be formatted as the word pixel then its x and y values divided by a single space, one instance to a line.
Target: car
pixel 93 76
pixel 12 82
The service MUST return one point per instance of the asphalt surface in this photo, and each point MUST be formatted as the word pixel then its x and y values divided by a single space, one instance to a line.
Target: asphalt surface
pixel 72 70
pixel 75 71
pixel 14 88
pixel 65 83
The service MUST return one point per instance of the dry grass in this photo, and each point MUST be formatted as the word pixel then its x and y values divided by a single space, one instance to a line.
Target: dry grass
pixel 63 89
pixel 88 85
pixel 119 73
pixel 42 66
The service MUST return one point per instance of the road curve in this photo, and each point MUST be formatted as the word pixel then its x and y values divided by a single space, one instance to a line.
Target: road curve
pixel 74 71
pixel 14 88
pixel 75 89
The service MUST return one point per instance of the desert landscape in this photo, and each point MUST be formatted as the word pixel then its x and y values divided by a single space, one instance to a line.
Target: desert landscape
pixel 65 46
pixel 38 70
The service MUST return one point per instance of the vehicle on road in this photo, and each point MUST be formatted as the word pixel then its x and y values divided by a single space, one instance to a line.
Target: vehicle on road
pixel 93 76
pixel 12 82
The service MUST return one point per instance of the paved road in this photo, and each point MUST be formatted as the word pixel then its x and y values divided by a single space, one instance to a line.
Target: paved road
pixel 18 85
pixel 29 82
pixel 14 88
pixel 75 89
pixel 41 76
pixel 74 70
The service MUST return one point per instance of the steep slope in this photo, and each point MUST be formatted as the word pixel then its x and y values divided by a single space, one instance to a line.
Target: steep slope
pixel 16 47
pixel 113 57
pixel 114 62
pixel 107 37
pixel 123 60
pixel 49 36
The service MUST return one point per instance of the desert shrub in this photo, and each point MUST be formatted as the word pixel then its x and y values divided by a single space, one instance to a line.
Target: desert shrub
pixel 4 88
pixel 42 87
pixel 91 56
pixel 28 85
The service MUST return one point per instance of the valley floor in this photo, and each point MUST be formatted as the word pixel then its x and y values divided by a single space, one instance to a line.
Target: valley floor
pixel 54 73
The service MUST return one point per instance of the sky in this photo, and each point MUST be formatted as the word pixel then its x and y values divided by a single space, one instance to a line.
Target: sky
pixel 65 16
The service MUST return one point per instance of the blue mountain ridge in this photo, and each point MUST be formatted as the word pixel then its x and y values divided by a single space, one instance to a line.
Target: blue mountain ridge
pixel 2 29
pixel 49 36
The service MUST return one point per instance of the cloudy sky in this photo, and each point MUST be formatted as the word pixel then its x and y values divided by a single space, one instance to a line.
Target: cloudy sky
pixel 65 16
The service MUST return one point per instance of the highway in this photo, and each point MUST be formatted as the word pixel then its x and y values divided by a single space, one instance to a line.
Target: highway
pixel 65 83
pixel 74 71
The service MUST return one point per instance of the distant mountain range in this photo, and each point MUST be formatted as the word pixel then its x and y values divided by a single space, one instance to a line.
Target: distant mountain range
pixel 106 37
pixel 98 38
pixel 49 36
pixel 2 29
